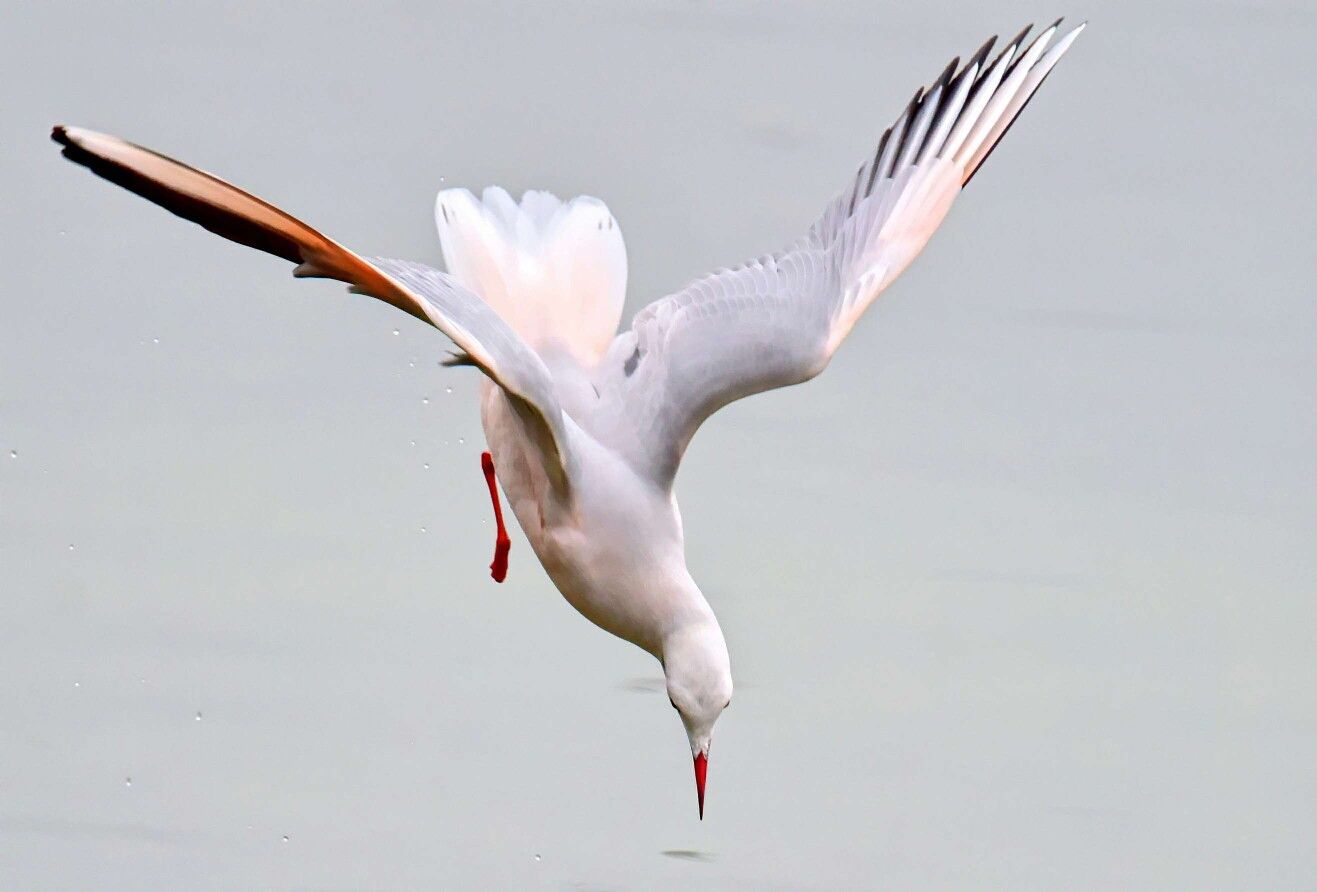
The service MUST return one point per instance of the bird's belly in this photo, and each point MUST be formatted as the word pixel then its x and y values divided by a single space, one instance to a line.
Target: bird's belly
pixel 606 585
pixel 603 550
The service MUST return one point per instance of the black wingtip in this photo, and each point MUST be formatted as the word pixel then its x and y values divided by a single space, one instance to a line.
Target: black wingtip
pixel 60 134
pixel 1050 29
pixel 72 151
pixel 1000 137
pixel 975 60
pixel 1012 46
pixel 945 77
pixel 1018 39
pixel 982 52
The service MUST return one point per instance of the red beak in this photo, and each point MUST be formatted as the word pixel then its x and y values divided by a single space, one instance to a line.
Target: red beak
pixel 701 770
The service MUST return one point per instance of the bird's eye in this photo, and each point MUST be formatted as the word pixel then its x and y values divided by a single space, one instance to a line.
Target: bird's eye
pixel 673 702
pixel 728 703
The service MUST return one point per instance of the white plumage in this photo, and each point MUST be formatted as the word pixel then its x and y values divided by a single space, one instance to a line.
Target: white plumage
pixel 554 270
pixel 588 427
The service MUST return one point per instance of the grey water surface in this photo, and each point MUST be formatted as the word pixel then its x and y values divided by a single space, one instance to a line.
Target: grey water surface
pixel 1020 593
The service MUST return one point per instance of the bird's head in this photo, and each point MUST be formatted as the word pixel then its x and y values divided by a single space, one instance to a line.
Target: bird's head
pixel 699 682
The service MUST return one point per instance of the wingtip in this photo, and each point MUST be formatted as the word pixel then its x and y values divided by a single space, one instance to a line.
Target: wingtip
pixel 68 135
pixel 1010 48
pixel 1073 32
pixel 945 77
pixel 73 148
pixel 1063 43
pixel 77 142
pixel 1018 39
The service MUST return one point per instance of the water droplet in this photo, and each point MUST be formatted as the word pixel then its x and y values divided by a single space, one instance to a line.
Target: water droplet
pixel 155 340
pixel 62 232
pixel 127 781
pixel 395 332
pixel 425 401
pixel 411 442
pixel 77 684
pixel 461 441
pixel 284 838
pixel 425 467
pixel 538 859
pixel 422 529
pixel 13 453
pixel 442 180
pixel 197 717
pixel 411 363
pixel 70 546
pixel 448 390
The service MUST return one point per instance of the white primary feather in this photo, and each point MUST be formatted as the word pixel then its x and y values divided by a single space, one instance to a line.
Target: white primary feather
pixel 555 271
pixel 777 320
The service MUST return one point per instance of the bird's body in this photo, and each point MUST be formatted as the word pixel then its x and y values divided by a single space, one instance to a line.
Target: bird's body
pixel 612 545
pixel 587 426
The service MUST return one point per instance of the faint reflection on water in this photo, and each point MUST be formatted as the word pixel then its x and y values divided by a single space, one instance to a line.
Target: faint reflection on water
pixel 689 854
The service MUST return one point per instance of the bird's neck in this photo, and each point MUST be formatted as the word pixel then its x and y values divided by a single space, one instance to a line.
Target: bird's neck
pixel 694 621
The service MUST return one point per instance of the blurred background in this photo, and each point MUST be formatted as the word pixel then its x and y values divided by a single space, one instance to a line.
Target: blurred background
pixel 1020 594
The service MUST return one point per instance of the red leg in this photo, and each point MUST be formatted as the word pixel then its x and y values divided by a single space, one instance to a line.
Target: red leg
pixel 499 568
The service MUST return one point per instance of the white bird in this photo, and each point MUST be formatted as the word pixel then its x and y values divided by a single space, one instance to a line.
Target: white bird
pixel 587 427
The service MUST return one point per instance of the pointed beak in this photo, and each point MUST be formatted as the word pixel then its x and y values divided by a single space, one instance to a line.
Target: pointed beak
pixel 701 771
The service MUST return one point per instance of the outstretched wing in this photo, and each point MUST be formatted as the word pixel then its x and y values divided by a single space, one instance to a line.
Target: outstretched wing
pixel 425 293
pixel 778 320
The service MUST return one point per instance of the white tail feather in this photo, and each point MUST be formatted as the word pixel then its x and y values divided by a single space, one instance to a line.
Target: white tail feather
pixel 555 271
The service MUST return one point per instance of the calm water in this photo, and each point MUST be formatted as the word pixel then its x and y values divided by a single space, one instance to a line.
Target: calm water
pixel 1020 594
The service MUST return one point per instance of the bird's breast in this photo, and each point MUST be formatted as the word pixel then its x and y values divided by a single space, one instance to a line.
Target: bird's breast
pixel 608 545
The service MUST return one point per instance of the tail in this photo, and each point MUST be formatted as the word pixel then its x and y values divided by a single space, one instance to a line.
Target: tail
pixel 554 270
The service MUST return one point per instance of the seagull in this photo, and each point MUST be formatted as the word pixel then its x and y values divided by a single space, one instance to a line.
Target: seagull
pixel 587 426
